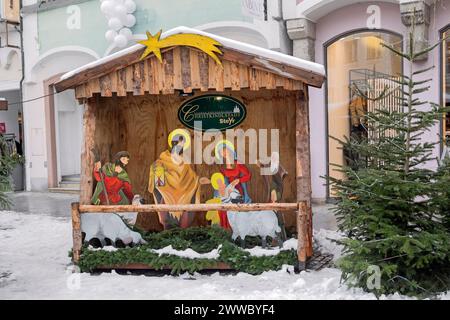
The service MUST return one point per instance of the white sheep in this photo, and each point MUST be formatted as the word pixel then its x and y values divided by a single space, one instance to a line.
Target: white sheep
pixel 131 217
pixel 108 226
pixel 254 223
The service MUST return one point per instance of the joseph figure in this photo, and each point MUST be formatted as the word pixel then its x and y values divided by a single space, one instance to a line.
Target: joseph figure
pixel 172 181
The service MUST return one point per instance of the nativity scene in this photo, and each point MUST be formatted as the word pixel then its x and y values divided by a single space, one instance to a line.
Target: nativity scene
pixel 149 101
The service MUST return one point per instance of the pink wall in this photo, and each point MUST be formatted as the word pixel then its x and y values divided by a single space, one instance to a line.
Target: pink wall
pixel 342 21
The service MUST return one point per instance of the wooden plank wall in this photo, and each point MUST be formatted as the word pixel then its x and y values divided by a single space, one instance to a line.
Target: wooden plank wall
pixel 185 69
pixel 141 124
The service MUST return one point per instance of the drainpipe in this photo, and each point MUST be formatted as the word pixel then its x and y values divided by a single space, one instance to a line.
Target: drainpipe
pixel 22 56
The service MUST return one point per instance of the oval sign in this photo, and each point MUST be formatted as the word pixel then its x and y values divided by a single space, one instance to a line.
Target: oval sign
pixel 212 112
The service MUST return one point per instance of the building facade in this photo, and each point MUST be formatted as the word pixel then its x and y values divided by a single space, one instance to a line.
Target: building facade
pixel 63 35
pixel 10 68
pixel 343 35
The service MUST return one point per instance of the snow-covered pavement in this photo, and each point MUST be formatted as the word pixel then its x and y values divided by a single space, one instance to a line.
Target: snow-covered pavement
pixel 34 265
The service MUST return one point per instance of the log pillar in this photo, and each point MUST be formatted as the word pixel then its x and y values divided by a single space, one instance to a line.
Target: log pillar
pixel 76 232
pixel 303 177
pixel 87 158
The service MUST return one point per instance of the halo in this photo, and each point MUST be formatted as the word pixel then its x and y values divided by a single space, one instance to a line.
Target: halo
pixel 215 178
pixel 182 132
pixel 220 144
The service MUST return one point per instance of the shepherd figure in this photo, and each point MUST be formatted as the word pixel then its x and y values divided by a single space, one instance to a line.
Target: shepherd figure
pixel 113 184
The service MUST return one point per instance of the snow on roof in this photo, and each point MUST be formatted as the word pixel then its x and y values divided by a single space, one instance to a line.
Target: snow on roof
pixel 226 42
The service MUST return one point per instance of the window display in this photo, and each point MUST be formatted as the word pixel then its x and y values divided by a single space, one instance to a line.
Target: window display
pixel 356 62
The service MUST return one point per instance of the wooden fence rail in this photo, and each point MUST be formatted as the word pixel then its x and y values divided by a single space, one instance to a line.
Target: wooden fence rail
pixel 189 207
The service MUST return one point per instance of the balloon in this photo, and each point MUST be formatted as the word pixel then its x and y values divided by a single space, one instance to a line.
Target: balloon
pixel 110 35
pixel 120 10
pixel 120 41
pixel 130 6
pixel 115 24
pixel 107 6
pixel 126 32
pixel 130 20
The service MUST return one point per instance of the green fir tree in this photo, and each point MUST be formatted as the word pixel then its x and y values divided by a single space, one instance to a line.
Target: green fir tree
pixel 391 207
pixel 7 165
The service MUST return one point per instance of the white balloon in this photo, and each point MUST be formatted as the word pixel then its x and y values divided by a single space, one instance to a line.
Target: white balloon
pixel 126 32
pixel 130 21
pixel 120 10
pixel 120 41
pixel 107 6
pixel 130 5
pixel 115 24
pixel 110 35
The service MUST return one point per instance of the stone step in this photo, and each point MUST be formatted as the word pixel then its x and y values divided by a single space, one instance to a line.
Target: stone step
pixel 65 190
pixel 69 184
pixel 75 178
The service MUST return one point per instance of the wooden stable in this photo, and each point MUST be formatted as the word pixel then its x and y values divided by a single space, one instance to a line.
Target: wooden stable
pixel 131 104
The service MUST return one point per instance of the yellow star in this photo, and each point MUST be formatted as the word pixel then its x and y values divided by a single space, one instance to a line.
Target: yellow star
pixel 152 44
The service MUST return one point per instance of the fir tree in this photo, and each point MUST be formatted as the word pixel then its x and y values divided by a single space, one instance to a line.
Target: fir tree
pixel 7 164
pixel 388 206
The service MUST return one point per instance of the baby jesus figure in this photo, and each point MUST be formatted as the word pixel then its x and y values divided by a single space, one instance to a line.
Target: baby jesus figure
pixel 222 192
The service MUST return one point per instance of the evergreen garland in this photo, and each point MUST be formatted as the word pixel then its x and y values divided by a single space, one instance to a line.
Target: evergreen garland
pixel 201 240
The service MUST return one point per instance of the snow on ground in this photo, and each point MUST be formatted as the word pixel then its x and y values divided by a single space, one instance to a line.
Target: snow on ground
pixel 189 253
pixel 34 265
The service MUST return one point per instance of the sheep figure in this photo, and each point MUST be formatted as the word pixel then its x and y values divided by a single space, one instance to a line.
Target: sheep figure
pixel 131 217
pixel 254 223
pixel 104 226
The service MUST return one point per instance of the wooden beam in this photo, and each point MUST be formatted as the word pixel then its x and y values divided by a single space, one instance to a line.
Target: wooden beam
pixel 190 207
pixel 168 71
pixel 195 69
pixel 177 81
pixel 138 79
pixel 227 74
pixel 76 232
pixel 235 77
pixel 265 64
pixel 303 166
pixel 310 249
pixel 121 83
pixel 100 70
pixel 106 86
pixel 243 76
pixel 80 92
pixel 302 236
pixel 87 159
pixel 186 69
pixel 231 55
pixel 253 79
pixel 204 71
pixel 129 78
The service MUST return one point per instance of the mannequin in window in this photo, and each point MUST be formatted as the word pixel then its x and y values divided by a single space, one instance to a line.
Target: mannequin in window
pixel 358 131
pixel 358 109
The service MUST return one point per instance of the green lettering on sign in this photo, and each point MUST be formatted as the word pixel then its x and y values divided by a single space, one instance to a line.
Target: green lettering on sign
pixel 214 112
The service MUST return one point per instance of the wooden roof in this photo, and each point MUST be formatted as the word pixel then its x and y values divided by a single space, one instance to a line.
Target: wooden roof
pixel 186 69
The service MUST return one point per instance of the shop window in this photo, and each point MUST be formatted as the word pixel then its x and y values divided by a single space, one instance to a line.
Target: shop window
pixel 375 68
pixel 351 51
